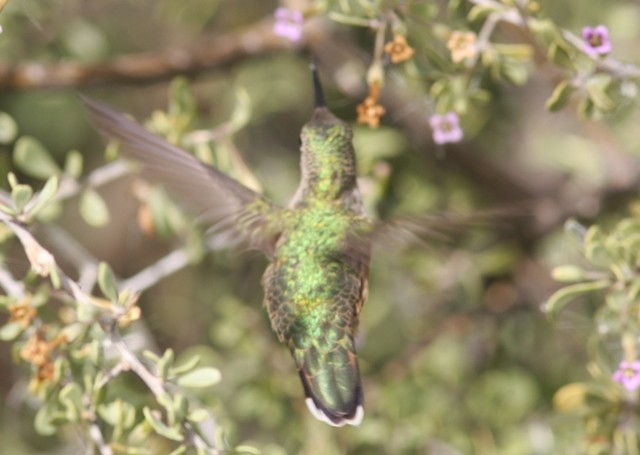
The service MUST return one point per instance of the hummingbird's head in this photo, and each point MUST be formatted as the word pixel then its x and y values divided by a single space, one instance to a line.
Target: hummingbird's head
pixel 328 160
pixel 324 130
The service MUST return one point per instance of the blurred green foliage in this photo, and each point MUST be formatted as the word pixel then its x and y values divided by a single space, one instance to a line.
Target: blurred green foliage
pixel 456 355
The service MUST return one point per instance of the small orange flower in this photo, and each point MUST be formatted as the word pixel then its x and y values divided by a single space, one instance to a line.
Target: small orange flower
pixel 462 46
pixel 398 49
pixel 22 313
pixel 45 372
pixel 369 111
pixel 38 352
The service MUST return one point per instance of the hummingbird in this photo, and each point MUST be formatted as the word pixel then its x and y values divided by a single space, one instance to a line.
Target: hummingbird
pixel 319 245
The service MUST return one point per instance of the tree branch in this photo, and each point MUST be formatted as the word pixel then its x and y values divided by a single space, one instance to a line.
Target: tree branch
pixel 204 54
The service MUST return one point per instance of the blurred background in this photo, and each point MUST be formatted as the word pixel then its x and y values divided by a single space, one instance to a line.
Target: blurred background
pixel 455 353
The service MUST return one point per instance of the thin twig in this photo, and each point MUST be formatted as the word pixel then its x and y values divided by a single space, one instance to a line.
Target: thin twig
pixel 98 439
pixel 155 384
pixel 70 187
pixel 11 286
pixel 148 277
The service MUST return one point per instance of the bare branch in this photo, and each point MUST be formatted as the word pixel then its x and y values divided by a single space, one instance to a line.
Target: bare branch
pixel 204 54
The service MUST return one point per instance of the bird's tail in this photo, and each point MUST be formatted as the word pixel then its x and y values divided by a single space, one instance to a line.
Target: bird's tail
pixel 331 381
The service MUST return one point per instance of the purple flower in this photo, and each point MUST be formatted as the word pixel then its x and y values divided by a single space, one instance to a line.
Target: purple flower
pixel 446 128
pixel 597 40
pixel 628 374
pixel 288 24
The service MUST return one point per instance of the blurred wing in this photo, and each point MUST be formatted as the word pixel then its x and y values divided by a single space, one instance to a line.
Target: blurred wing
pixel 442 229
pixel 236 212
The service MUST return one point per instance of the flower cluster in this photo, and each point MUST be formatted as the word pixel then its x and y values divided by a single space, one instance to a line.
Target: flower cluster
pixel 38 352
pixel 22 313
pixel 369 111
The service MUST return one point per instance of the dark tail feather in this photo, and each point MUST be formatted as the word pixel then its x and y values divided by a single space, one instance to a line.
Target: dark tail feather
pixel 332 385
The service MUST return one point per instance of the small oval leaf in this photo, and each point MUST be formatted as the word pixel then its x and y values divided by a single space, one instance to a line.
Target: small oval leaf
pixel 45 196
pixel 202 377
pixel 93 209
pixel 160 427
pixel 8 128
pixel 198 415
pixel 564 296
pixel 42 421
pixel 186 366
pixel 21 195
pixel 73 164
pixel 560 96
pixel 32 158
pixel 568 273
pixel 107 282
pixel 10 331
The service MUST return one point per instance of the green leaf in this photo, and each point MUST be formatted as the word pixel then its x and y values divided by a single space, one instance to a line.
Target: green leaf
pixel 107 282
pixel 151 356
pixel 481 11
pixel 202 377
pixel 583 398
pixel 588 110
pixel 32 158
pixel 564 296
pixel 73 164
pixel 45 195
pixel 545 30
pixel 160 427
pixel 42 421
pixel 521 52
pixel 118 413
pixel 21 195
pixel 10 331
pixel 248 450
pixel 568 273
pixel 180 450
pixel 241 110
pixel 73 331
pixel 560 96
pixel 559 55
pixel 165 363
pixel 198 415
pixel 182 104
pixel 184 367
pixel 514 71
pixel 71 397
pixel 93 209
pixel 597 86
pixel 12 179
pixel 595 248
pixel 179 408
pixel 8 128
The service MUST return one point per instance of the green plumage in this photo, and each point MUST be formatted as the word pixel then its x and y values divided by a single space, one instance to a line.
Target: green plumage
pixel 316 283
pixel 314 289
